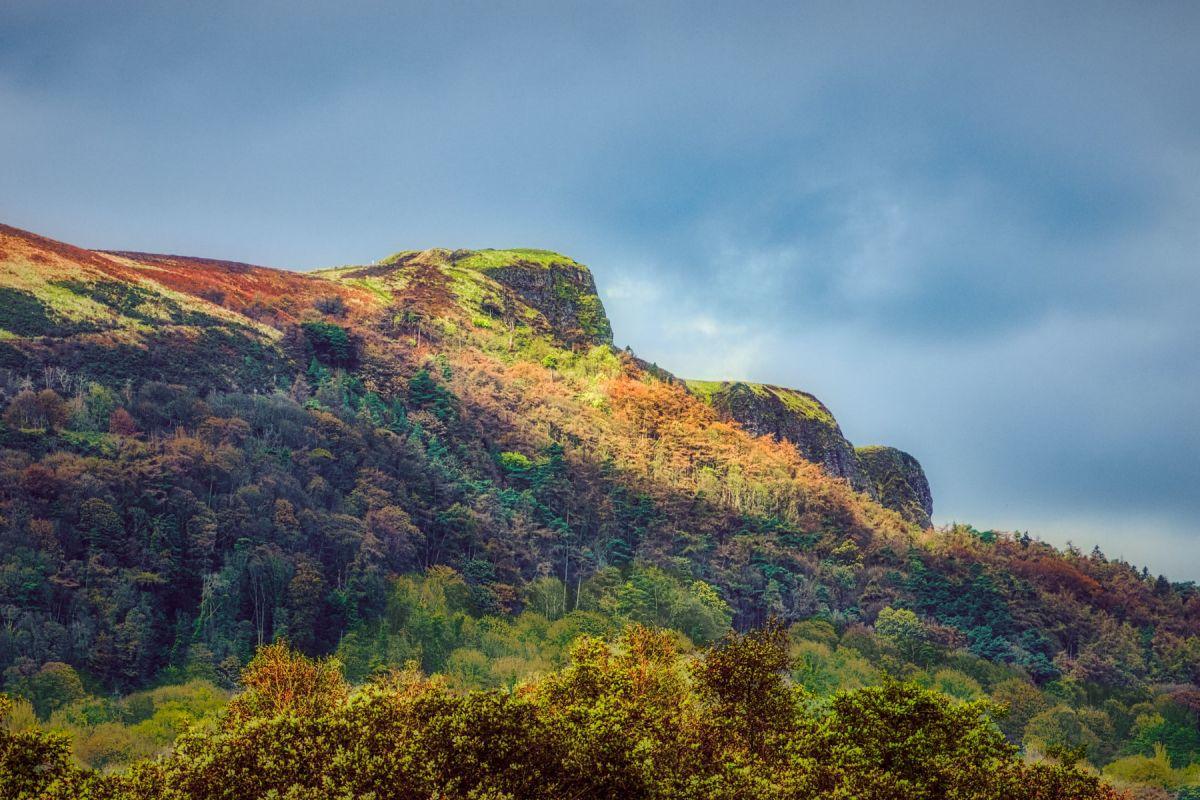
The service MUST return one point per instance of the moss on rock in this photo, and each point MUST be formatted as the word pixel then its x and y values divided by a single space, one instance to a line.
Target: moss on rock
pixel 898 481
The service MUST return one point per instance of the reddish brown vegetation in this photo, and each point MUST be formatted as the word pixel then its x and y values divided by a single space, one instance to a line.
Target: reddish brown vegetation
pixel 263 293
pixel 274 296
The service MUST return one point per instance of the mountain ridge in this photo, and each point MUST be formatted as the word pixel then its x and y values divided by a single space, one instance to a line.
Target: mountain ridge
pixel 373 420
pixel 556 286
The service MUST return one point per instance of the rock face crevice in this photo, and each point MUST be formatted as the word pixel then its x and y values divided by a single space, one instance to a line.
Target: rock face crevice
pixel 890 476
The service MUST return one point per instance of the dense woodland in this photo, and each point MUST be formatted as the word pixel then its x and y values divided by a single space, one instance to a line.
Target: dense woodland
pixel 407 468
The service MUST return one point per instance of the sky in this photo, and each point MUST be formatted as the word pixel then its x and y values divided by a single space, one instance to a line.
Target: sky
pixel 973 230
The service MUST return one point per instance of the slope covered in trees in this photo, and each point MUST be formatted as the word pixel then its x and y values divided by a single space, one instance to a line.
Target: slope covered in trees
pixel 200 458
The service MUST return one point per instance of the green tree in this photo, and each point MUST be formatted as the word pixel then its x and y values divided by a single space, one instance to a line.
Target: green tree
pixel 742 679
pixel 904 630
pixel 31 760
pixel 53 686
pixel 102 526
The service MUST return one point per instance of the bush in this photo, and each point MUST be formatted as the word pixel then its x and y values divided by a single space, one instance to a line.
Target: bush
pixel 331 344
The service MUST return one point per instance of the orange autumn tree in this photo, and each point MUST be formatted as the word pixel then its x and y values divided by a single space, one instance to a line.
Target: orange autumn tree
pixel 279 681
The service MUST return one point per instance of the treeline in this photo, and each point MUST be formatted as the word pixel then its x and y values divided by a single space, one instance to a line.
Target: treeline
pixel 1147 738
pixel 1147 741
pixel 634 719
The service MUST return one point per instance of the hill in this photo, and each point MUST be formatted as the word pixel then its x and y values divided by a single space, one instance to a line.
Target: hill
pixel 441 457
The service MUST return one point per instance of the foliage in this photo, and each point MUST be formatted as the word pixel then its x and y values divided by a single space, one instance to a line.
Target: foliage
pixel 330 343
pixel 406 486
pixel 627 719
pixel 31 760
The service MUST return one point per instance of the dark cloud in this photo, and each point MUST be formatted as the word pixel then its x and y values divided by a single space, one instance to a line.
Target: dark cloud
pixel 972 230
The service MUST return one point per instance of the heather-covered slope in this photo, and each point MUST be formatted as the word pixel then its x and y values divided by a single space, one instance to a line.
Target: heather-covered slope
pixel 105 317
pixel 204 457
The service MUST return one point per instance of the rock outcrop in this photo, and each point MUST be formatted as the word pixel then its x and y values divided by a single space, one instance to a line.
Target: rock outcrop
pixel 558 287
pixel 787 415
pixel 898 482
pixel 890 476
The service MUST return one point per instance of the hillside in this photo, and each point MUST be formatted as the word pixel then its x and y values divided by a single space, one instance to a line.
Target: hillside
pixel 442 458
pixel 891 477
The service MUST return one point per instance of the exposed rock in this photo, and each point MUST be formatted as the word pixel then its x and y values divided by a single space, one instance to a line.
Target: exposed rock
pixel 787 415
pixel 898 482
pixel 559 288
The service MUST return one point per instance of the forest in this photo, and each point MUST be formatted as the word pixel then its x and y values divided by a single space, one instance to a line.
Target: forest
pixel 421 524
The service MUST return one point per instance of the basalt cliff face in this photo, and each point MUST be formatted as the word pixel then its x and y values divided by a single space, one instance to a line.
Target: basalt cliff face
pixel 787 415
pixel 563 292
pixel 893 478
pixel 897 482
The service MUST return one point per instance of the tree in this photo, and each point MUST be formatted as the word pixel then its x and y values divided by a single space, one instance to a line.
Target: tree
pixel 44 409
pixel 425 392
pixel 742 679
pixel 1062 727
pixel 306 600
pixel 121 423
pixel 1021 701
pixel 101 525
pixel 898 740
pixel 547 596
pixel 902 629
pixel 278 681
pixel 99 402
pixel 53 686
pixel 331 344
pixel 30 761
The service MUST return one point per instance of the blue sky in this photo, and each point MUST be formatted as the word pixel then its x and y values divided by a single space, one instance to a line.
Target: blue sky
pixel 973 230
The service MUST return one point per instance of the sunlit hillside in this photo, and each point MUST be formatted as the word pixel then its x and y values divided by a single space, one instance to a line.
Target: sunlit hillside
pixel 439 471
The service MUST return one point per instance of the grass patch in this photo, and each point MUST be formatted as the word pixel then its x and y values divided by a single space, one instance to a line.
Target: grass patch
pixel 705 390
pixel 25 314
pixel 799 402
pixel 495 259
pixel 375 287
pixel 794 400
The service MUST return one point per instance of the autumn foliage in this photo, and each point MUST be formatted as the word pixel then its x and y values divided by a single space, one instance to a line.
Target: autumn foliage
pixel 406 462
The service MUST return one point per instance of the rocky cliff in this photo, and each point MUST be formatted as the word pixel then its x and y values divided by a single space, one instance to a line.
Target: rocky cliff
pixel 558 287
pixel 891 476
pixel 898 482
pixel 787 415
